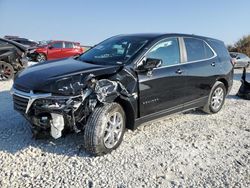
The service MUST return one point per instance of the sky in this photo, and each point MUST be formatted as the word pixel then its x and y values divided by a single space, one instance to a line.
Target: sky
pixel 91 21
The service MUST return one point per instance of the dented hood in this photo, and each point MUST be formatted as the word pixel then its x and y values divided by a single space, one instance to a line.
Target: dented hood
pixel 42 76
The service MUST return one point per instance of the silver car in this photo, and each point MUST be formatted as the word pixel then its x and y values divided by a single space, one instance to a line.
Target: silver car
pixel 241 60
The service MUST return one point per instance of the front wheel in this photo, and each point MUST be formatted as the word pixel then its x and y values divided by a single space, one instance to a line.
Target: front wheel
pixel 216 98
pixel 6 71
pixel 40 58
pixel 105 129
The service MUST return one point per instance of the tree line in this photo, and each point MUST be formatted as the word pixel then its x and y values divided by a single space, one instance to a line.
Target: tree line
pixel 242 46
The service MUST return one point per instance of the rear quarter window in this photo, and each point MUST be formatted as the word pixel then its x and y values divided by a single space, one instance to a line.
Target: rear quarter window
pixel 242 56
pixel 220 48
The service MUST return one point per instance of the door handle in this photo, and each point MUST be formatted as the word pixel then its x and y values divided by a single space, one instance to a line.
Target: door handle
pixel 179 71
pixel 213 64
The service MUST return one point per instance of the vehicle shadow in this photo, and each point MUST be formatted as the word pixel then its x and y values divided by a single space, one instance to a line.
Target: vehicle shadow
pixel 234 97
pixel 15 134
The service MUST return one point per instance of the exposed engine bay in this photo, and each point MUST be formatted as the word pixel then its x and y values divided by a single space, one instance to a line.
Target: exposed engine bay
pixel 58 114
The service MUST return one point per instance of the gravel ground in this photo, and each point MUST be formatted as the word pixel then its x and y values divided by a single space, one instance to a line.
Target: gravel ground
pixel 182 150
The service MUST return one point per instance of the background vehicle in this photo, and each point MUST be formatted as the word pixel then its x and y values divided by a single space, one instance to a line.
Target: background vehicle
pixel 23 41
pixel 244 91
pixel 241 60
pixel 50 50
pixel 121 83
pixel 12 59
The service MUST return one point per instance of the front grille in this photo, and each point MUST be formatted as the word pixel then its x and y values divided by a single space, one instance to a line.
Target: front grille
pixel 20 103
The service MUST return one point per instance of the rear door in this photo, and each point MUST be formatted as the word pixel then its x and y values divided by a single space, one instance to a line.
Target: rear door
pixel 68 49
pixel 55 50
pixel 163 88
pixel 202 68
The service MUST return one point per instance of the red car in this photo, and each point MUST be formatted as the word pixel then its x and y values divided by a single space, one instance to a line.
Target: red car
pixel 49 50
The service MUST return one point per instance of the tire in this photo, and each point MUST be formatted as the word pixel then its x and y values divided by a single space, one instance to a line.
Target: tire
pixel 99 132
pixel 41 58
pixel 6 71
pixel 215 98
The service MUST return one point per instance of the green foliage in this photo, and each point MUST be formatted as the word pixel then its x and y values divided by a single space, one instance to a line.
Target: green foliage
pixel 242 46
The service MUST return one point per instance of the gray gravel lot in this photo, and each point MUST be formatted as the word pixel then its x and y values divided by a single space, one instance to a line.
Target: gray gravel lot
pixel 186 149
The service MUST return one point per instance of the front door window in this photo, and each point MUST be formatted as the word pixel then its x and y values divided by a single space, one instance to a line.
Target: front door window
pixel 167 50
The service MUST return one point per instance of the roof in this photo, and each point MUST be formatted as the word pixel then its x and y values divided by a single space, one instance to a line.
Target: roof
pixel 62 41
pixel 162 35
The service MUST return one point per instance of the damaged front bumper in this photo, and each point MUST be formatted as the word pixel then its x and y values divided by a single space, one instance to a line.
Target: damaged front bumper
pixel 58 113
pixel 53 113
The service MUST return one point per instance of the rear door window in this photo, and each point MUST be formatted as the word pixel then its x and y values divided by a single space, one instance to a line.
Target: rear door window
pixel 69 45
pixel 57 45
pixel 197 49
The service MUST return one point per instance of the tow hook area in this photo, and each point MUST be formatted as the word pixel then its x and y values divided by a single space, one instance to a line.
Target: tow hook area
pixel 57 125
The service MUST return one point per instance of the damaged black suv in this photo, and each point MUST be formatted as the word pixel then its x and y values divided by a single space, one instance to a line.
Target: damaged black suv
pixel 121 83
pixel 12 59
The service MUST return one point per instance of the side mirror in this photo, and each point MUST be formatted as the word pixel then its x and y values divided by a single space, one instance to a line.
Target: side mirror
pixel 149 64
pixel 50 47
pixel 238 58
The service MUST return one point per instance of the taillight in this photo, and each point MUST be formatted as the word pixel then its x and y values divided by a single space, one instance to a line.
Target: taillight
pixel 77 45
pixel 233 61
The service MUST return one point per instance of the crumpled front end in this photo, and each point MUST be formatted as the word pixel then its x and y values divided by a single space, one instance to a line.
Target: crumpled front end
pixel 56 114
pixel 51 113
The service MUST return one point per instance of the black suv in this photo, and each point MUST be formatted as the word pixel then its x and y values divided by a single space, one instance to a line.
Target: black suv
pixel 122 82
pixel 23 41
pixel 12 59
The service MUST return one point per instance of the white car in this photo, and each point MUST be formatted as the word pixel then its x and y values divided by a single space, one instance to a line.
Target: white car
pixel 241 60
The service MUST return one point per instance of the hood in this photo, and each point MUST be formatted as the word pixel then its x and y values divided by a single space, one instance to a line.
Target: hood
pixel 17 45
pixel 42 76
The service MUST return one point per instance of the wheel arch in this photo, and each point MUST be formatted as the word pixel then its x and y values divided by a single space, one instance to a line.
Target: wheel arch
pixel 37 53
pixel 129 111
pixel 225 82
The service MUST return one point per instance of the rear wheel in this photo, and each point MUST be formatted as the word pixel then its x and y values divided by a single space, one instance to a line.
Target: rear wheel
pixel 105 129
pixel 6 71
pixel 216 98
pixel 41 58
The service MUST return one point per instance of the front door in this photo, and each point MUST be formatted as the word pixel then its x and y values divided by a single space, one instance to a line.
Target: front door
pixel 55 50
pixel 163 88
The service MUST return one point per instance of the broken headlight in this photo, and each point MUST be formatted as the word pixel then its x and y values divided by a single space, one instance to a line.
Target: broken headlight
pixel 68 86
pixel 104 88
pixel 55 102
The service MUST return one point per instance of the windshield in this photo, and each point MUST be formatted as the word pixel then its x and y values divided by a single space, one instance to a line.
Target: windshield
pixel 116 50
pixel 44 42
